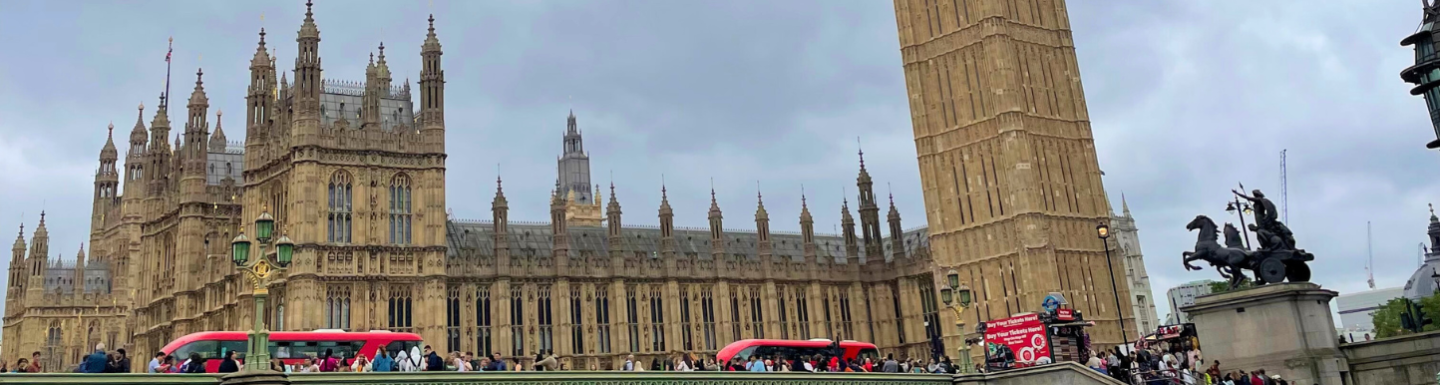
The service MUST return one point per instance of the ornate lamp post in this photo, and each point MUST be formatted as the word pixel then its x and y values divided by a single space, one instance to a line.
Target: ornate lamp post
pixel 258 272
pixel 948 293
pixel 1102 230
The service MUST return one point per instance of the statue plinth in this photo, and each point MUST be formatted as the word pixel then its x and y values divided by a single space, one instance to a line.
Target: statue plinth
pixel 1286 329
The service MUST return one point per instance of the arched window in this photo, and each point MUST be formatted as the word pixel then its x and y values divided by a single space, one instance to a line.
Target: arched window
pixel 340 191
pixel 400 210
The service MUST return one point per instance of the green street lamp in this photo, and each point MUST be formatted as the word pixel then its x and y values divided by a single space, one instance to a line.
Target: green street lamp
pixel 948 293
pixel 258 272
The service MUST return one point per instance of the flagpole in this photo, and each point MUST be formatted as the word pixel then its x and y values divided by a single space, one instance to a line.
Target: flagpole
pixel 165 102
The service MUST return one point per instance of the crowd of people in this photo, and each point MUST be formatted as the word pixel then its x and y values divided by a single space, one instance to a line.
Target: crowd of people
pixel 1177 365
pixel 98 362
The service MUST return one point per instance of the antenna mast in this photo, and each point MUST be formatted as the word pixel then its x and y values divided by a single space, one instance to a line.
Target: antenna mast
pixel 1285 191
pixel 1369 258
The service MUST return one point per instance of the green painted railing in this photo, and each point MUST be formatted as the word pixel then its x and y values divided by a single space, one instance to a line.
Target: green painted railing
pixel 109 379
pixel 509 378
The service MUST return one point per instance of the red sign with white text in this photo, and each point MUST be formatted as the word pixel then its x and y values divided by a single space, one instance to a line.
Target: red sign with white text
pixel 1024 335
pixel 1065 314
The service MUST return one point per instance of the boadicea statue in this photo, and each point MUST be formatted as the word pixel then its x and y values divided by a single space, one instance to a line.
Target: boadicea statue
pixel 1275 261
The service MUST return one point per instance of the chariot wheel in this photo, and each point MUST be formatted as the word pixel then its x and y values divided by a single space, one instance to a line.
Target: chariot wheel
pixel 1271 270
pixel 1297 271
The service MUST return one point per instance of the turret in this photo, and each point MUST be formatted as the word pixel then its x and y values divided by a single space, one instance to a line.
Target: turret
pixel 39 254
pixel 500 209
pixel 307 65
pixel 667 216
pixel 197 142
pixel 217 139
pixel 574 164
pixel 260 97
pixel 717 227
pixel 159 157
pixel 79 285
pixel 432 90
pixel 897 242
pixel 612 215
pixel 135 156
pixel 869 213
pixel 377 87
pixel 107 178
pixel 560 232
pixel 762 228
pixel 847 225
pixel 18 269
pixel 807 229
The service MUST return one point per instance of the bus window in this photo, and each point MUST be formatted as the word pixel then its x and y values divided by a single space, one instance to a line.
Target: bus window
pixel 206 349
pixel 395 347
pixel 235 346
pixel 872 354
pixel 744 354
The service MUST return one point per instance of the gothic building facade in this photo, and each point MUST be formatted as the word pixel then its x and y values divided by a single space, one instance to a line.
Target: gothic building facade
pixel 354 174
pixel 1127 250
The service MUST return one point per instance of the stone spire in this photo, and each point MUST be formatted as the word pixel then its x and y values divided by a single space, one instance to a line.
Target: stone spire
pixel 612 214
pixel 18 275
pixel 500 207
pixel 574 163
pixel 382 72
pixel 137 135
pixel 108 152
pixel 667 215
pixel 79 283
pixel 1434 231
pixel 897 233
pixel 307 74
pixel 762 223
pixel 558 228
pixel 847 225
pixel 1125 206
pixel 717 226
pixel 217 139
pixel 432 88
pixel 869 212
pixel 807 228
pixel 308 28
pixel 39 249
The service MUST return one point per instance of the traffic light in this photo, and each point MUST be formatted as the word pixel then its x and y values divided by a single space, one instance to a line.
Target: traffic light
pixel 1421 319
pixel 1414 318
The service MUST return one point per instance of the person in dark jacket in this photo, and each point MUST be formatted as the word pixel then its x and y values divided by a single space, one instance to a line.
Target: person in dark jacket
pixel 97 361
pixel 120 364
pixel 229 365
pixel 433 362
pixel 194 365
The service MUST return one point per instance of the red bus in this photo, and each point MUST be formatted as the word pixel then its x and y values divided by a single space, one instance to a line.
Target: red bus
pixel 291 347
pixel 743 349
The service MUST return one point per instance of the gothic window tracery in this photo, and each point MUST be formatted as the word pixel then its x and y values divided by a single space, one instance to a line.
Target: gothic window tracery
pixel 482 321
pixel 546 319
pixel 337 308
pixel 602 318
pixel 577 321
pixel 517 322
pixel 452 319
pixel 657 319
pixel 400 210
pixel 686 341
pixel 399 309
pixel 340 193
pixel 632 315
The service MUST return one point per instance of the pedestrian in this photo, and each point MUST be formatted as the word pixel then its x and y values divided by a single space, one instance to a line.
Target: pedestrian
pixel 121 363
pixel 95 362
pixel 890 366
pixel 433 362
pixel 382 362
pixel 229 365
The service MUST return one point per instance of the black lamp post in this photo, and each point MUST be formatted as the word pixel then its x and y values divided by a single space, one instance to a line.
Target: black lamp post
pixel 1103 231
pixel 258 272
pixel 952 289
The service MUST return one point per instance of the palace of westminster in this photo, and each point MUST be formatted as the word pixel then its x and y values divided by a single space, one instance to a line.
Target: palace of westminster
pixel 355 173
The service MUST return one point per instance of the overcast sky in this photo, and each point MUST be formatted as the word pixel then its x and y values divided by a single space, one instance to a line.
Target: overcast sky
pixel 1187 99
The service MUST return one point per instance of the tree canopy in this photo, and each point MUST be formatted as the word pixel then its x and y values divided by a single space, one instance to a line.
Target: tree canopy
pixel 1387 317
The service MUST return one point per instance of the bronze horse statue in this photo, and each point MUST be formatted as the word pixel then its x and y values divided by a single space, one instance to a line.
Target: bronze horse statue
pixel 1229 259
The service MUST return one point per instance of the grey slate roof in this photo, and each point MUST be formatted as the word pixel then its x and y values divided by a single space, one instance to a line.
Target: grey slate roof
pixel 471 238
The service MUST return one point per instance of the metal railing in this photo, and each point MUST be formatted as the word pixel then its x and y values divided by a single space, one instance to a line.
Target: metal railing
pixel 512 378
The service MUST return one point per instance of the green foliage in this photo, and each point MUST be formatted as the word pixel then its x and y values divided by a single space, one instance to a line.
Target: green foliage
pixel 1217 287
pixel 1387 317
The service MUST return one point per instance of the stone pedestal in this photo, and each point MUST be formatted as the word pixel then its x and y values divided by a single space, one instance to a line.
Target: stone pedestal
pixel 1285 329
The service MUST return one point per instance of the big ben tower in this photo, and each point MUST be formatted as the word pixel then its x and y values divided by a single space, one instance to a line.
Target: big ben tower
pixel 1007 159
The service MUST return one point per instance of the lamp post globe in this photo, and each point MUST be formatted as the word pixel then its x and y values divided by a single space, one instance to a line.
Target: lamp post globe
pixel 963 294
pixel 240 249
pixel 1102 230
pixel 284 251
pixel 264 227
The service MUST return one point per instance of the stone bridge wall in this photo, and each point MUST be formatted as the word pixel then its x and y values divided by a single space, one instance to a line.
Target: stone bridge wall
pixel 1405 360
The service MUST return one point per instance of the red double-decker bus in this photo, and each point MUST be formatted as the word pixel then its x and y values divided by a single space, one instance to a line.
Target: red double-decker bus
pixel 291 347
pixel 743 349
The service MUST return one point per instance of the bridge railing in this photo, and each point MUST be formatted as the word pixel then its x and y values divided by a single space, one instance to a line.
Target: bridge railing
pixel 508 378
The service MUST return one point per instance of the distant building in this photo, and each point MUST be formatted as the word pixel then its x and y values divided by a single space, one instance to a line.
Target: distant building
pixel 1425 281
pixel 1357 308
pixel 1184 295
pixel 1127 237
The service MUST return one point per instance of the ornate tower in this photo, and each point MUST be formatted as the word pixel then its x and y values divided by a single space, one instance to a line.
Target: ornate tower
pixel 39 260
pixel 107 184
pixel 305 126
pixel 1021 194
pixel 260 100
pixel 135 163
pixel 869 214
pixel 612 215
pixel 432 90
pixel 762 226
pixel 500 211
pixel 897 243
pixel 807 230
pixel 197 143
pixel 18 276
pixel 1426 39
pixel 1127 239
pixel 574 164
pixel 717 228
pixel 217 139
pixel 847 226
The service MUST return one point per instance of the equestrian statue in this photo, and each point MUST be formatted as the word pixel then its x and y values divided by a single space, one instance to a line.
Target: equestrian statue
pixel 1275 261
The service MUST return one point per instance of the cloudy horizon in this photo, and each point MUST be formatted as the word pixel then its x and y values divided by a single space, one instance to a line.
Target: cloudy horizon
pixel 1187 99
